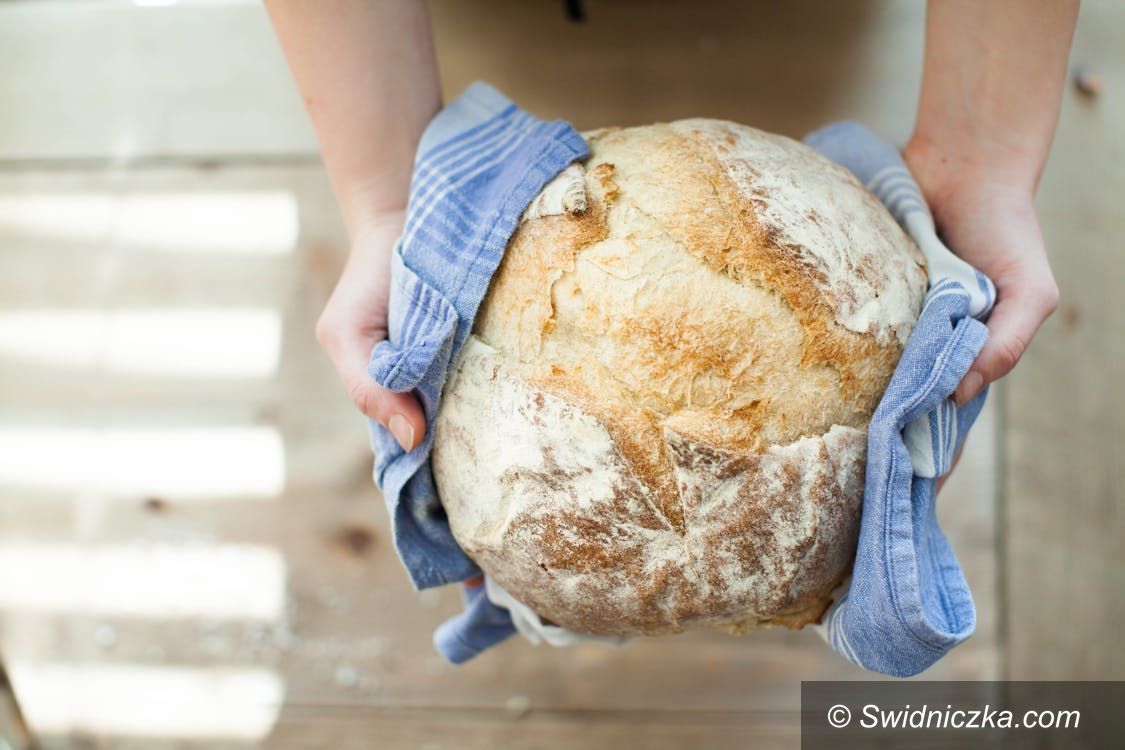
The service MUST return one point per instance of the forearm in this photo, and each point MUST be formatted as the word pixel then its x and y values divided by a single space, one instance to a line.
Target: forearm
pixel 991 86
pixel 367 75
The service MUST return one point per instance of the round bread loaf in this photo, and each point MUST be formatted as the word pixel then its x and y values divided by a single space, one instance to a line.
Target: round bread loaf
pixel 659 421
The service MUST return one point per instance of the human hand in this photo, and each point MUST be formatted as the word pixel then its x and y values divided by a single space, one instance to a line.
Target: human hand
pixel 986 216
pixel 355 319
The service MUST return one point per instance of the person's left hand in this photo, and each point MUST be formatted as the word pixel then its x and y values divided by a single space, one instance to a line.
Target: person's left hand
pixel 355 319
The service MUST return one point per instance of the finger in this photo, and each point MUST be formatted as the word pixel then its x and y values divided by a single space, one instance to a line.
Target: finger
pixel 1021 309
pixel 398 412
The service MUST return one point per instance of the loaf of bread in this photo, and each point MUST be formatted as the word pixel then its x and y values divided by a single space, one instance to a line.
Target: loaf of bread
pixel 659 421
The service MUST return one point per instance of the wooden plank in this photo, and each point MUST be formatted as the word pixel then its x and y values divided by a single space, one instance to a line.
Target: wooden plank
pixel 580 730
pixel 1064 473
pixel 51 267
pixel 359 727
pixel 110 82
pixel 14 733
pixel 785 67
pixel 352 647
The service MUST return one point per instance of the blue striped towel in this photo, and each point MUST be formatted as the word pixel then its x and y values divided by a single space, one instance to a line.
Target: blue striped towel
pixel 479 164
pixel 908 603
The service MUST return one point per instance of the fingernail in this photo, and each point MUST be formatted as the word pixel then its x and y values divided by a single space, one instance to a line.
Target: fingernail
pixel 970 386
pixel 474 581
pixel 402 431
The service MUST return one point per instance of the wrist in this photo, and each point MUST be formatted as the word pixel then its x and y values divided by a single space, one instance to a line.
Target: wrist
pixel 371 201
pixel 945 168
pixel 374 225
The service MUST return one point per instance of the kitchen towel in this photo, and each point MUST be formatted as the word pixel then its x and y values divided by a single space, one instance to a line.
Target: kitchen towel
pixel 908 603
pixel 479 165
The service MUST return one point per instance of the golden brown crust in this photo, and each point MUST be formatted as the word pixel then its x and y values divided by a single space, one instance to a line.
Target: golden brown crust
pixel 573 529
pixel 686 369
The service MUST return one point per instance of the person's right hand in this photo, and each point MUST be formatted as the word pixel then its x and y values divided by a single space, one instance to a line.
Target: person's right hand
pixel 984 210
pixel 355 319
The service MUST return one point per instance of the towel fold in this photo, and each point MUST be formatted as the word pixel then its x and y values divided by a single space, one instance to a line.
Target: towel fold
pixel 908 603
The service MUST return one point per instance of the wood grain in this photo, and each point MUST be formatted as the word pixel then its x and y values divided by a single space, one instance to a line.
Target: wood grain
pixel 352 646
pixel 1064 502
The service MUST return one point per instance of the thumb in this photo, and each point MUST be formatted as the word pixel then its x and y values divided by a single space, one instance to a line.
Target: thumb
pixel 1020 311
pixel 398 412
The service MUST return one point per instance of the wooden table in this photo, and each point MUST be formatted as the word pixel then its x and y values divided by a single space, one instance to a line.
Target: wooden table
pixel 200 558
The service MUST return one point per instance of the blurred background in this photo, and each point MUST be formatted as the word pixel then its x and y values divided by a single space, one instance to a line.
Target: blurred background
pixel 192 553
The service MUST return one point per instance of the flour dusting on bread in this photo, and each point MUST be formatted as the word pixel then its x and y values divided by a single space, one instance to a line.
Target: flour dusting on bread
pixel 659 421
